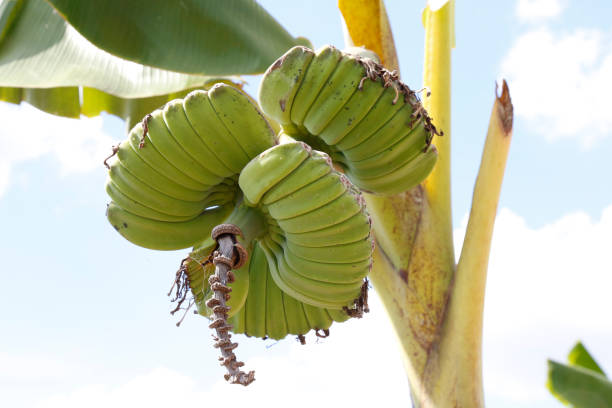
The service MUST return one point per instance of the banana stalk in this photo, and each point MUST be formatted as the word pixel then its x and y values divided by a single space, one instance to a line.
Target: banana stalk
pixel 436 312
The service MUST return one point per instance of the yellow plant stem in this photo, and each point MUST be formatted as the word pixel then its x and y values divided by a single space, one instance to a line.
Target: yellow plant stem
pixel 367 26
pixel 439 42
pixel 458 364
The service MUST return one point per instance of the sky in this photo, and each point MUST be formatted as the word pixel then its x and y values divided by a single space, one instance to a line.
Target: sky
pixel 84 314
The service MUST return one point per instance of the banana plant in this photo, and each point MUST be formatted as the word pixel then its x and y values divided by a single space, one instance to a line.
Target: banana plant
pixel 338 173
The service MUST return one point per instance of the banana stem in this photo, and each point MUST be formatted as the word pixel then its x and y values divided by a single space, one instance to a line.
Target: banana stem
pixel 439 42
pixel 223 259
pixel 459 359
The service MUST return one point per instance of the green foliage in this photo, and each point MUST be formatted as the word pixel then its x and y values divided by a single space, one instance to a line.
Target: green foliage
pixel 44 61
pixel 582 383
pixel 192 36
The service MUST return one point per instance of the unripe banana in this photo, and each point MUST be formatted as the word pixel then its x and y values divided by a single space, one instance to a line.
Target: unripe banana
pixel 135 207
pixel 345 232
pixel 256 178
pixel 191 142
pixel 318 71
pixel 358 110
pixel 167 145
pixel 154 177
pixel 285 77
pixel 142 146
pixel 161 235
pixel 308 172
pixel 138 191
pixel 214 134
pixel 335 93
pixel 242 119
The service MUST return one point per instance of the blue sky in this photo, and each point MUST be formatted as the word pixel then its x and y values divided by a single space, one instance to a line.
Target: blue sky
pixel 84 313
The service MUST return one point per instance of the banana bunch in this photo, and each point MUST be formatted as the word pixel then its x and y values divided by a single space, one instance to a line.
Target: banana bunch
pixel 212 158
pixel 175 177
pixel 371 124
pixel 318 245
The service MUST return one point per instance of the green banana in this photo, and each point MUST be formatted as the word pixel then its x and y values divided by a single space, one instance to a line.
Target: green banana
pixel 319 70
pixel 308 198
pixel 327 272
pixel 410 174
pixel 191 142
pixel 285 77
pixel 242 119
pixel 147 196
pixel 238 321
pixel 335 93
pixel 276 323
pixel 162 235
pixel 255 308
pixel 344 253
pixel 152 177
pixel 257 178
pixel 318 318
pixel 353 112
pixel 135 207
pixel 167 145
pixel 309 291
pixel 345 232
pixel 386 161
pixel 149 154
pixel 388 135
pixel 377 117
pixel 212 131
pixel 337 211
pixel 295 316
pixel 308 172
pixel 338 315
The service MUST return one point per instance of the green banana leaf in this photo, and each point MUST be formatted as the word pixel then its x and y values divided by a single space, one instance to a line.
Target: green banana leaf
pixel 46 62
pixel 578 386
pixel 219 37
pixel 579 356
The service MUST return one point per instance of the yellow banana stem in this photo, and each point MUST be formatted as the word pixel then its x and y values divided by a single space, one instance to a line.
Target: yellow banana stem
pixel 439 42
pixel 367 25
pixel 459 364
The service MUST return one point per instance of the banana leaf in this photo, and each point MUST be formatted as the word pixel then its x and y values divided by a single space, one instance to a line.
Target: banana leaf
pixel 47 63
pixel 192 36
pixel 578 386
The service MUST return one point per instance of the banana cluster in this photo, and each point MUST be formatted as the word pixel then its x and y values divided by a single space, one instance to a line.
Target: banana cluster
pixel 175 177
pixel 212 158
pixel 318 244
pixel 370 123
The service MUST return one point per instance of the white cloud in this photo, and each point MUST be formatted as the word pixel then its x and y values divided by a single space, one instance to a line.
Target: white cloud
pixel 78 145
pixel 546 289
pixel 560 83
pixel 531 10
